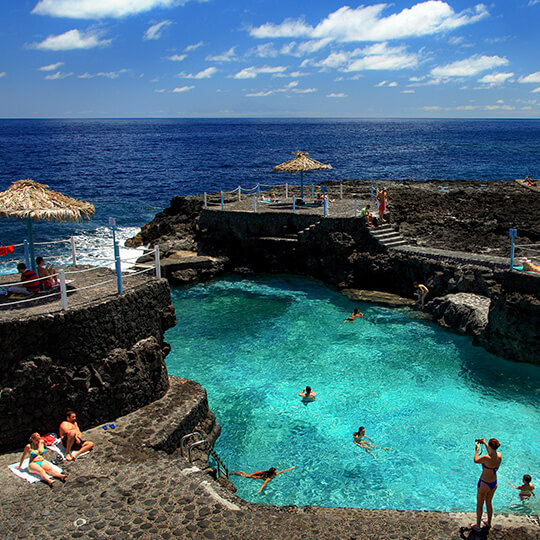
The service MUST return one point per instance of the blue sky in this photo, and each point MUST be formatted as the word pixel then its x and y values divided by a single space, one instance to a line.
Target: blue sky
pixel 268 58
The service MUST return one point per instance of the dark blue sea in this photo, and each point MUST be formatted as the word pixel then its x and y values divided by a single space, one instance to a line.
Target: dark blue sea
pixel 130 168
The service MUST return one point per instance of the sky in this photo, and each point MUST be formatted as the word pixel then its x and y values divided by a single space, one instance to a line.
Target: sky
pixel 269 58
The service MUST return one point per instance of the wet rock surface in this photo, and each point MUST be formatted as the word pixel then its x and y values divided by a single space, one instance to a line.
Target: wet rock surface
pixel 465 312
pixel 378 297
pixel 127 489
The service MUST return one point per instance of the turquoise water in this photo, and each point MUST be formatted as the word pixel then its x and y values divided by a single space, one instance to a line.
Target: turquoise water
pixel 425 393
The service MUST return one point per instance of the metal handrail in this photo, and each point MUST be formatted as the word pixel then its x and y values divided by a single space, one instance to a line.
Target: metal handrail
pixel 185 437
pixel 221 468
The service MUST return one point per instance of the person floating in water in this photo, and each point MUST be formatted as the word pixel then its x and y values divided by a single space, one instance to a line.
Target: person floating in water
pixel 262 475
pixel 353 316
pixel 526 489
pixel 307 394
pixel 360 440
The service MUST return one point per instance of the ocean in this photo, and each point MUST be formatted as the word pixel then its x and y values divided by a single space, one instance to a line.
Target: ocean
pixel 130 168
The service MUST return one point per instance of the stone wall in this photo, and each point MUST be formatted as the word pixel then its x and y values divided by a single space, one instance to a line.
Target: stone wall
pixel 342 253
pixel 104 360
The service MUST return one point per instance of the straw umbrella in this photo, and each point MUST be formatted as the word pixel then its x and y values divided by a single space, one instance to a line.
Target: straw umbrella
pixel 302 163
pixel 28 200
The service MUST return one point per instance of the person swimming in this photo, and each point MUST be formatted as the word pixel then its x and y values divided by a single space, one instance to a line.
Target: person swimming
pixel 307 394
pixel 360 440
pixel 353 316
pixel 268 475
pixel 526 489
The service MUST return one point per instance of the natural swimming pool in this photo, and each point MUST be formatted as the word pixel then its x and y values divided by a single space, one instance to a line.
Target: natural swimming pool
pixel 420 390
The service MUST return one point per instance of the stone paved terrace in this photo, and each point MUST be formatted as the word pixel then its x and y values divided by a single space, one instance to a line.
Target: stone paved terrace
pixel 125 489
pixel 101 280
pixel 341 208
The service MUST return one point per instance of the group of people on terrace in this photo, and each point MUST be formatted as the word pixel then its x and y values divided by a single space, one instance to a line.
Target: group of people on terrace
pixel 43 279
pixel 74 446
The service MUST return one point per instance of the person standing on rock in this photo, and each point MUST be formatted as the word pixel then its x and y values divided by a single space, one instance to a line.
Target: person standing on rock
pixel 382 201
pixel 422 292
pixel 487 484
pixel 72 437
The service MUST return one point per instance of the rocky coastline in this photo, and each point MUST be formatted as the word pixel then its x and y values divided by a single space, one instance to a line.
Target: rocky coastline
pixel 500 310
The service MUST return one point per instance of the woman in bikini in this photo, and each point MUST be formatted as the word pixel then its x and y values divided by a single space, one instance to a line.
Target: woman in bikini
pixel 487 484
pixel 360 439
pixel 353 316
pixel 38 464
pixel 262 475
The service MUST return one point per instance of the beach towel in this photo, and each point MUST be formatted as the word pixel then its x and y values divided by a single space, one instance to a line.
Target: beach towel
pixel 59 448
pixel 25 474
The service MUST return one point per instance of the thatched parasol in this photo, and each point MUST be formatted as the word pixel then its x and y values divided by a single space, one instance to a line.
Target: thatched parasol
pixel 26 199
pixel 302 163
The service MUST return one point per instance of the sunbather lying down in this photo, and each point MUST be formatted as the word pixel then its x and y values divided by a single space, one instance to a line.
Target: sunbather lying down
pixel 529 266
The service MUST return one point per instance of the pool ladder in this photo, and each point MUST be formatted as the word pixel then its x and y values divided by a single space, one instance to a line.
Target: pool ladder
pixel 221 470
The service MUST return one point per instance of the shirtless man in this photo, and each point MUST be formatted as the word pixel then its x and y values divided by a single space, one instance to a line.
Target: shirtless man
pixel 72 437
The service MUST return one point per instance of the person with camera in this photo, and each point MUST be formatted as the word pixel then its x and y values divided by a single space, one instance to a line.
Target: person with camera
pixel 487 484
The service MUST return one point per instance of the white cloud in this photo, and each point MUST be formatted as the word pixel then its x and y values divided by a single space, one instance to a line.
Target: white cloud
pixel 264 51
pixel 103 74
pixel 194 47
pixel 386 83
pixel 535 90
pixel 392 84
pixel 410 91
pixel 532 78
pixel 366 23
pixel 182 89
pixel 51 67
pixel 260 94
pixel 227 56
pixel 499 107
pixel 2 74
pixel 177 57
pixel 468 67
pixel 431 108
pixel 156 30
pixel 337 95
pixel 533 2
pixel 72 39
pixel 58 76
pixel 159 90
pixel 98 9
pixel 252 72
pixel 495 79
pixel 204 74
pixel 382 83
pixel 381 57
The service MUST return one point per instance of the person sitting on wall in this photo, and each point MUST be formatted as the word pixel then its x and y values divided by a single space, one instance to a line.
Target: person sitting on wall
pixel 26 275
pixel 72 437
pixel 366 214
pixel 46 271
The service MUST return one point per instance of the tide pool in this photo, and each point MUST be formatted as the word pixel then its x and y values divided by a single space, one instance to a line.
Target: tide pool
pixel 419 390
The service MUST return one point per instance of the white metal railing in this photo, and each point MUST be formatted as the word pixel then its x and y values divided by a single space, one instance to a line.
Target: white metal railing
pixel 61 289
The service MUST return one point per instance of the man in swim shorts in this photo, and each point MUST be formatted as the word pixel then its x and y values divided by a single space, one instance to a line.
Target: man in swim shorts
pixel 72 437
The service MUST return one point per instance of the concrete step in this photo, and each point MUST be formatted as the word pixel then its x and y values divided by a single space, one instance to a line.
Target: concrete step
pixel 395 243
pixel 386 235
pixel 277 239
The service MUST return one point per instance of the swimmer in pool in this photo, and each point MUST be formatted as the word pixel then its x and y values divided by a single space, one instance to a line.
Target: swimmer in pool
pixel 360 440
pixel 526 489
pixel 307 394
pixel 262 475
pixel 353 316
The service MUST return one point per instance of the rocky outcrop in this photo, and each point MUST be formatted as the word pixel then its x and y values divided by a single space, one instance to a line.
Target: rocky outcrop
pixel 103 360
pixel 465 312
pixel 186 267
pixel 378 297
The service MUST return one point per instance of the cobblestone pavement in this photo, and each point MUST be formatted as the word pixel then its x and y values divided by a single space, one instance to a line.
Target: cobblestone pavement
pixel 125 490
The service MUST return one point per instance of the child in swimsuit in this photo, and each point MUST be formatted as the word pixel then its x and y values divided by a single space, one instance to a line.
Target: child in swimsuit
pixel 526 489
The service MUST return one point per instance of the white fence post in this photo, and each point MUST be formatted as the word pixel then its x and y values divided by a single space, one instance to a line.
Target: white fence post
pixel 63 290
pixel 158 263
pixel 341 190
pixel 293 204
pixel 325 207
pixel 255 203
pixel 355 207
pixel 205 200
pixel 73 253
pixel 222 200
pixel 239 193
pixel 286 190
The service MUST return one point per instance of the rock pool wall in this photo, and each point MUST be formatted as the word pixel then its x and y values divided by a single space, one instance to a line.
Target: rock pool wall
pixel 342 253
pixel 104 360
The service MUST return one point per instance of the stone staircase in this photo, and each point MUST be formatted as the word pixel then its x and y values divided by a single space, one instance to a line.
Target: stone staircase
pixel 387 236
pixel 308 229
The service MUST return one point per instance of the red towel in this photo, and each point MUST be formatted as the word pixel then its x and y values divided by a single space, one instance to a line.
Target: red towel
pixel 6 250
pixel 48 439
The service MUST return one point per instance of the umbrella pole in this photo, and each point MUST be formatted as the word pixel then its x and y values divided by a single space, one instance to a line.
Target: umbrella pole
pixel 31 242
pixel 301 184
